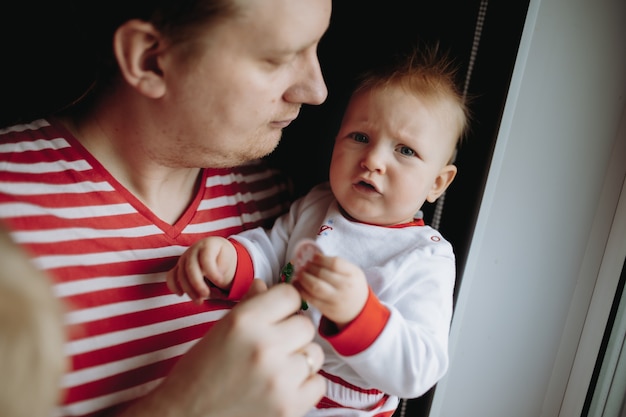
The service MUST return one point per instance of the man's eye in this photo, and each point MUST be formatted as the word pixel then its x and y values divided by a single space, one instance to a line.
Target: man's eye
pixel 406 151
pixel 281 59
pixel 360 137
pixel 273 62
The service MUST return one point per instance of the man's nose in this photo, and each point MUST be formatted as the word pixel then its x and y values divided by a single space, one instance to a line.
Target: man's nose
pixel 310 87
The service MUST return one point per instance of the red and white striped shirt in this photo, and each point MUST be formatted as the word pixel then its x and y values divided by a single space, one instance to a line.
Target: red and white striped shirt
pixel 107 254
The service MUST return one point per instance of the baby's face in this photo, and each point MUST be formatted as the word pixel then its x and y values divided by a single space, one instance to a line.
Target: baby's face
pixel 391 154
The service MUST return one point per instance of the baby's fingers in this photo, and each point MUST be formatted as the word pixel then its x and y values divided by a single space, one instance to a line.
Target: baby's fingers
pixel 192 281
pixel 178 283
pixel 171 279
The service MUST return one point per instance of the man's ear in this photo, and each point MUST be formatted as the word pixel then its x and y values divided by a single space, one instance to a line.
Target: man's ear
pixel 443 180
pixel 137 46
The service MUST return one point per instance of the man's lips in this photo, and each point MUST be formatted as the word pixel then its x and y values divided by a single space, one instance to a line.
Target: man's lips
pixel 285 120
pixel 281 124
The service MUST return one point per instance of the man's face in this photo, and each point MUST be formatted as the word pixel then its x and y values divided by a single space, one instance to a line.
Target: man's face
pixel 246 81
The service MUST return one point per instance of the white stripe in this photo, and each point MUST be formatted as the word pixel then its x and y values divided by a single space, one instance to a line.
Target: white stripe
pixel 108 369
pixel 26 209
pixel 37 124
pixel 239 177
pixel 222 201
pixel 124 307
pixel 89 285
pixel 221 224
pixel 105 401
pixel 257 175
pixel 231 200
pixel 47 167
pixel 83 233
pixel 34 145
pixel 105 258
pixel 267 192
pixel 115 338
pixel 232 221
pixel 349 397
pixel 35 188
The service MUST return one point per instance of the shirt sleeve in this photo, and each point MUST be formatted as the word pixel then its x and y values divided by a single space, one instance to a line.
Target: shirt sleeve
pixel 244 274
pixel 361 332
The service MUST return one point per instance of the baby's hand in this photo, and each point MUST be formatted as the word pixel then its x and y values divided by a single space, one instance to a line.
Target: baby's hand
pixel 213 259
pixel 305 251
pixel 334 285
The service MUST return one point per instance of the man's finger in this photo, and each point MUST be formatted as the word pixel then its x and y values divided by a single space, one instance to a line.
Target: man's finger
pixel 257 287
pixel 284 298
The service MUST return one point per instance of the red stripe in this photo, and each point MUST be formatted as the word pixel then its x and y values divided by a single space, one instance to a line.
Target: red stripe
pixel 120 382
pixel 148 266
pixel 114 295
pixel 146 317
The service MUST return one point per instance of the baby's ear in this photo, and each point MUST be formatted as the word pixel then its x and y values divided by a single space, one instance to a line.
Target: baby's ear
pixel 443 180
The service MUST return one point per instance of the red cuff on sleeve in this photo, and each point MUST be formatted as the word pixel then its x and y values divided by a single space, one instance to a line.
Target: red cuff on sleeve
pixel 361 332
pixel 244 274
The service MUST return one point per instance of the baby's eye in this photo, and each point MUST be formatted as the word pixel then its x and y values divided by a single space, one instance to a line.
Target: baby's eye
pixel 359 137
pixel 406 151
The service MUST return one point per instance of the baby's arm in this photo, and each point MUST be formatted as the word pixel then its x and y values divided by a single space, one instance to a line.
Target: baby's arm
pixel 213 258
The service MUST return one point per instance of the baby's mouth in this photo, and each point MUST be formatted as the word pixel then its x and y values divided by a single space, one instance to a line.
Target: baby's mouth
pixel 365 186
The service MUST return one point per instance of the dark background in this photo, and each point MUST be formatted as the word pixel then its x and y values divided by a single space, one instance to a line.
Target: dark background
pixel 42 68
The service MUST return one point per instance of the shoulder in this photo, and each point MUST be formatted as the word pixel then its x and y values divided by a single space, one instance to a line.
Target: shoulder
pixel 316 201
pixel 430 240
pixel 256 172
pixel 253 189
pixel 320 190
pixel 320 194
pixel 38 129
pixel 43 136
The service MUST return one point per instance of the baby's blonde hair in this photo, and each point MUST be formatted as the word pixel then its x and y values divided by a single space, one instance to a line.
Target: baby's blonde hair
pixel 31 336
pixel 428 73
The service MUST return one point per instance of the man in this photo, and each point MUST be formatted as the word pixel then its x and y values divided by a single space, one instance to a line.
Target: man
pixel 108 193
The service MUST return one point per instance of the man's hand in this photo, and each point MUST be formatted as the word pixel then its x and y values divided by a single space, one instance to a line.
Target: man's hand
pixel 259 360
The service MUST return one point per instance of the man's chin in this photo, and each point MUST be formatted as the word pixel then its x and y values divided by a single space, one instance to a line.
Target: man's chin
pixel 243 158
pixel 266 145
